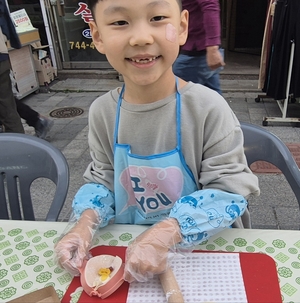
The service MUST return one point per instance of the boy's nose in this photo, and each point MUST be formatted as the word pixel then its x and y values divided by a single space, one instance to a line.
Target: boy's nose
pixel 141 35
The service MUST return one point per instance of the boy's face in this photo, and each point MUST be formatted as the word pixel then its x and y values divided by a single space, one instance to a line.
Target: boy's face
pixel 140 38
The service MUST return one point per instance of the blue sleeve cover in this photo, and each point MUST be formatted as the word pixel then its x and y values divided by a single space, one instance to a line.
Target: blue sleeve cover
pixel 95 196
pixel 205 213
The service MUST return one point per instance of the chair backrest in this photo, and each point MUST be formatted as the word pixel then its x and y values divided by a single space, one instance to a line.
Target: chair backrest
pixel 262 145
pixel 23 159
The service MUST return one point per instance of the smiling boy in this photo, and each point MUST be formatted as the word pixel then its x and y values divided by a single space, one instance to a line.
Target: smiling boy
pixel 164 151
pixel 143 52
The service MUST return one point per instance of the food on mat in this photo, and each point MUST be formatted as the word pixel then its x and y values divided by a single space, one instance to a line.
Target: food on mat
pixel 102 275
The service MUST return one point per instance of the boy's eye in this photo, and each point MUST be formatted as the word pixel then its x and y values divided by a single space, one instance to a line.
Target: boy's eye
pixel 120 23
pixel 158 18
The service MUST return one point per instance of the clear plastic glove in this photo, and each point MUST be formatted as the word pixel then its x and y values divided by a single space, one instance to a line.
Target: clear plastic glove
pixel 147 255
pixel 73 247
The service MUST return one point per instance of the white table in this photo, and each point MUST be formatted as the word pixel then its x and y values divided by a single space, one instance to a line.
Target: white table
pixel 27 259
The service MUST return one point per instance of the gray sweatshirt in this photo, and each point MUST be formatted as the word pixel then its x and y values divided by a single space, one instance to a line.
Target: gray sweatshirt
pixel 212 140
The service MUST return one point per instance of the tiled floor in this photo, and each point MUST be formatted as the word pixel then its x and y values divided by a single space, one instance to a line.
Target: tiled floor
pixel 241 64
pixel 262 167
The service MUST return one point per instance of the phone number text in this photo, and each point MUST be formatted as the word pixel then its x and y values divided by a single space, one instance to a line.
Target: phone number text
pixel 81 45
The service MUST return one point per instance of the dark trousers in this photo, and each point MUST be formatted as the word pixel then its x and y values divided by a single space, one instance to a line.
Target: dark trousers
pixel 9 116
pixel 27 113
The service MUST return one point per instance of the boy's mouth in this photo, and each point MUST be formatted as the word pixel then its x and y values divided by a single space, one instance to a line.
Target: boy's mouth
pixel 143 60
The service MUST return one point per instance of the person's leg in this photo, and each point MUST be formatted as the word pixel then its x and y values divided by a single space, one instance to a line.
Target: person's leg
pixel 195 69
pixel 8 111
pixel 1 127
pixel 186 67
pixel 208 77
pixel 41 124
pixel 27 113
pixel 213 81
pixel 213 77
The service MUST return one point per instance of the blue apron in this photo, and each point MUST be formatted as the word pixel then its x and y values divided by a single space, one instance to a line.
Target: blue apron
pixel 146 187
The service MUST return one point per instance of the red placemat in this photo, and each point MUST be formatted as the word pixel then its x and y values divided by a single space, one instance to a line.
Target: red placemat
pixel 259 275
pixel 260 278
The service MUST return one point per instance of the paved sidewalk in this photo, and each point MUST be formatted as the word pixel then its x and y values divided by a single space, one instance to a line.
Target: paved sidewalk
pixel 276 208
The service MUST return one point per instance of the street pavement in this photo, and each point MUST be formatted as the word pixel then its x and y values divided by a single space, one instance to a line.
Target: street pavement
pixel 276 208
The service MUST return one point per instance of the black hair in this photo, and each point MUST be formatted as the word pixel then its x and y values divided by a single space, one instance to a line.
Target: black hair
pixel 92 3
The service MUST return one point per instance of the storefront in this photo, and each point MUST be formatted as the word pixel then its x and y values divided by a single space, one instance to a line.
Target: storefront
pixel 63 25
pixel 77 50
pixel 243 23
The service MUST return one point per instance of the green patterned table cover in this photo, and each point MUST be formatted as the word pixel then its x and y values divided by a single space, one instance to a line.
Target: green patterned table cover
pixel 27 259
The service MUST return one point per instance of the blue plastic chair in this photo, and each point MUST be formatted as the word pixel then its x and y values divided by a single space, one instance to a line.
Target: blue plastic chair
pixel 23 159
pixel 262 145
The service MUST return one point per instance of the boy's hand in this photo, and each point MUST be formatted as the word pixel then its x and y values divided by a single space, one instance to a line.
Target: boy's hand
pixel 147 255
pixel 73 248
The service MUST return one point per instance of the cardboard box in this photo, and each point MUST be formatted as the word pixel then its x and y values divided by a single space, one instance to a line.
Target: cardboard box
pixel 38 45
pixel 39 54
pixel 24 71
pixel 45 70
pixel 38 50
pixel 45 295
pixel 27 38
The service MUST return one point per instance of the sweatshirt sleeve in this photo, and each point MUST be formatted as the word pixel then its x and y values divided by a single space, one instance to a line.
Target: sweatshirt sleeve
pixel 100 139
pixel 224 164
pixel 211 21
pixel 206 212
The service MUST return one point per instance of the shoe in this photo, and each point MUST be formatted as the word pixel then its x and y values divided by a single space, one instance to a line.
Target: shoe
pixel 42 127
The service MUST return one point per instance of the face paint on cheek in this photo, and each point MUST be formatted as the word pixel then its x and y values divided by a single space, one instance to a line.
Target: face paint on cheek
pixel 170 32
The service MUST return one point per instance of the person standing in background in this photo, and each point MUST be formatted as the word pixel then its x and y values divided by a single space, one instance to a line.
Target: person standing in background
pixel 200 59
pixel 11 109
pixel 41 124
pixel 9 116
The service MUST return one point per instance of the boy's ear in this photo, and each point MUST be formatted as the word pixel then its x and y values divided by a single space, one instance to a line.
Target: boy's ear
pixel 96 36
pixel 183 30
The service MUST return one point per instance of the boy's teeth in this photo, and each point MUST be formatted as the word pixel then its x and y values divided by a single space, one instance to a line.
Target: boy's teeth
pixel 143 60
